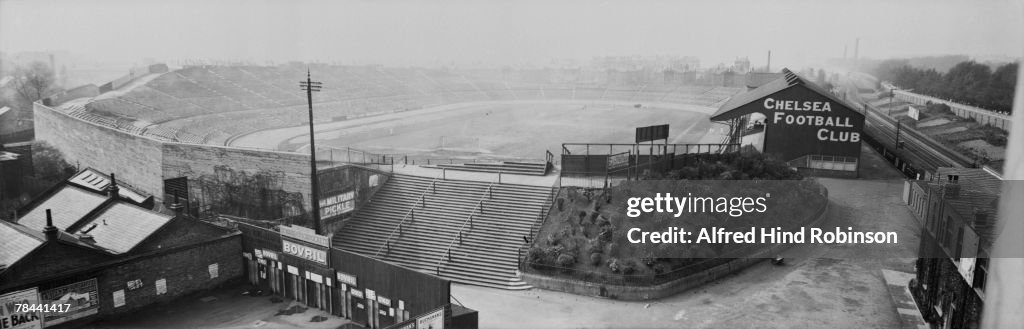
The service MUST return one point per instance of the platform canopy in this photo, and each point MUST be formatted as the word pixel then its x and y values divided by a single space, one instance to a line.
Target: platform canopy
pixel 747 103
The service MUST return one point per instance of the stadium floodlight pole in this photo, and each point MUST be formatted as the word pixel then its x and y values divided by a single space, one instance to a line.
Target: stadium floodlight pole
pixel 310 86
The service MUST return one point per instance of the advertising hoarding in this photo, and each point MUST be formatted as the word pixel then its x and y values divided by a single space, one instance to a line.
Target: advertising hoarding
pixel 83 296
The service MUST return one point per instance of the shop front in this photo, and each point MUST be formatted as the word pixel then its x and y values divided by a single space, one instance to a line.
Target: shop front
pixel 308 277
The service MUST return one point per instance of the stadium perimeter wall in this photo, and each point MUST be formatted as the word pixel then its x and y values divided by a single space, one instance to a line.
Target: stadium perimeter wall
pixel 247 183
pixel 135 159
pixel 234 181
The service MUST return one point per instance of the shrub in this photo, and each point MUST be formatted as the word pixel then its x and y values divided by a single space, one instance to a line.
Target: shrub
pixel 561 204
pixel 661 268
pixel 628 267
pixel 596 246
pixel 565 261
pixel 612 249
pixel 606 233
pixel 595 259
pixel 614 265
pixel 537 257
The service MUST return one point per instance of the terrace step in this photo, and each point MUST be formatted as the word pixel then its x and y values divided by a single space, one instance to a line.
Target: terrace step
pixel 488 252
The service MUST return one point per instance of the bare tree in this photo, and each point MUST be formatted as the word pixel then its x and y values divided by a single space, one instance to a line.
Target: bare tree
pixel 33 82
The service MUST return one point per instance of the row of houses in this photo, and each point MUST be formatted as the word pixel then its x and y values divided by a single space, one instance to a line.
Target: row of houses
pixel 958 213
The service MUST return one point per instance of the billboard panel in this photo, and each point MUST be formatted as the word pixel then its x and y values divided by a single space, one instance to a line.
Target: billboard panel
pixel 618 161
pixel 14 315
pixel 83 298
pixel 650 133
pixel 337 205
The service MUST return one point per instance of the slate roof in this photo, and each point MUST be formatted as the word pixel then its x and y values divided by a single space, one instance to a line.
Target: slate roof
pixel 121 226
pixel 788 80
pixel 973 178
pixel 97 181
pixel 16 243
pixel 68 205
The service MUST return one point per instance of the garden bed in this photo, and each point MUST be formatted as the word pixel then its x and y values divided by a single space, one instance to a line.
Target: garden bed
pixel 584 236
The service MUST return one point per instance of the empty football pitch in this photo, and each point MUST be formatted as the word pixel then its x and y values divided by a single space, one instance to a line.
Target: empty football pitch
pixel 498 130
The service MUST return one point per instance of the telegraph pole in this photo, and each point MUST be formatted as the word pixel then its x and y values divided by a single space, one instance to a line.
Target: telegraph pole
pixel 310 86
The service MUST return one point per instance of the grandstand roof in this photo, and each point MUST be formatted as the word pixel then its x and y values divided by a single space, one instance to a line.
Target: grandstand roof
pixel 736 106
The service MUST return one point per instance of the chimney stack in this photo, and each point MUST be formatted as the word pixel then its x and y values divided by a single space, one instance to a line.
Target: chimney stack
pixel 980 217
pixel 951 190
pixel 50 231
pixel 112 189
pixel 177 207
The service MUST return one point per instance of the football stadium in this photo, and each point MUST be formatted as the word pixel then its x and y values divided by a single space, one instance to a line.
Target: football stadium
pixel 473 151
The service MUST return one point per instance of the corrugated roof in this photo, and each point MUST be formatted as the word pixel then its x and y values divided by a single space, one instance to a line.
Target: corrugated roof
pixel 120 227
pixel 789 79
pixel 97 181
pixel 16 243
pixel 68 205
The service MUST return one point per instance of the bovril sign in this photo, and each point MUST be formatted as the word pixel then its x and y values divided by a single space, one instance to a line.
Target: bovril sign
pixel 304 252
pixel 815 114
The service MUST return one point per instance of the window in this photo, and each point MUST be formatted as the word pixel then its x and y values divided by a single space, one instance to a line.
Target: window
pixel 980 272
pixel 831 162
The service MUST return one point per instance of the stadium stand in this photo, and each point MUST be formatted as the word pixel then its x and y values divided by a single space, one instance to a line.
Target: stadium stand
pixel 211 104
pixel 488 251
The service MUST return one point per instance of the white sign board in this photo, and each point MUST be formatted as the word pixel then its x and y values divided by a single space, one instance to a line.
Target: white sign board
pixel 914 113
pixel 214 270
pixel 347 278
pixel 119 298
pixel 11 317
pixel 304 252
pixel 432 320
pixel 336 205
pixel 161 286
pixel 305 234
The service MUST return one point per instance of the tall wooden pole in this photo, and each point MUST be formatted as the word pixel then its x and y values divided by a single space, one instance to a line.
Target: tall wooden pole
pixel 310 86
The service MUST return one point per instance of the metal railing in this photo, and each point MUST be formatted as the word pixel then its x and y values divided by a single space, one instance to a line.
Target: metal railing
pixel 468 221
pixel 421 200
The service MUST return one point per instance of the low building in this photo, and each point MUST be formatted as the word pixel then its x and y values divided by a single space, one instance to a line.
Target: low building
pixel 91 244
pixel 804 125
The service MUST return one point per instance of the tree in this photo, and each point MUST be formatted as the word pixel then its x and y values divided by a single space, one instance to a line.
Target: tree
pixel 1001 88
pixel 33 82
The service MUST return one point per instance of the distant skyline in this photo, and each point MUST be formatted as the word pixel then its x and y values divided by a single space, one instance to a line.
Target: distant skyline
pixel 465 32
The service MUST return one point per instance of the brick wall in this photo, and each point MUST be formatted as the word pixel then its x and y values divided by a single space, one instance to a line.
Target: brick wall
pixel 186 270
pixel 180 231
pixel 221 169
pixel 133 158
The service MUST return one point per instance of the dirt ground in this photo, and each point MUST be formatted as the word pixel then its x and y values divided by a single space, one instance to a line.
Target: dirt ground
pixel 839 286
pixel 230 308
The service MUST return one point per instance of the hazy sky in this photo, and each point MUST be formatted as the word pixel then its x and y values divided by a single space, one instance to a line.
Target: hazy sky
pixel 423 32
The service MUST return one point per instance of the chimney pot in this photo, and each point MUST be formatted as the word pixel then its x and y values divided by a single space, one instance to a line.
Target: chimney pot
pixel 112 189
pixel 50 231
pixel 177 207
